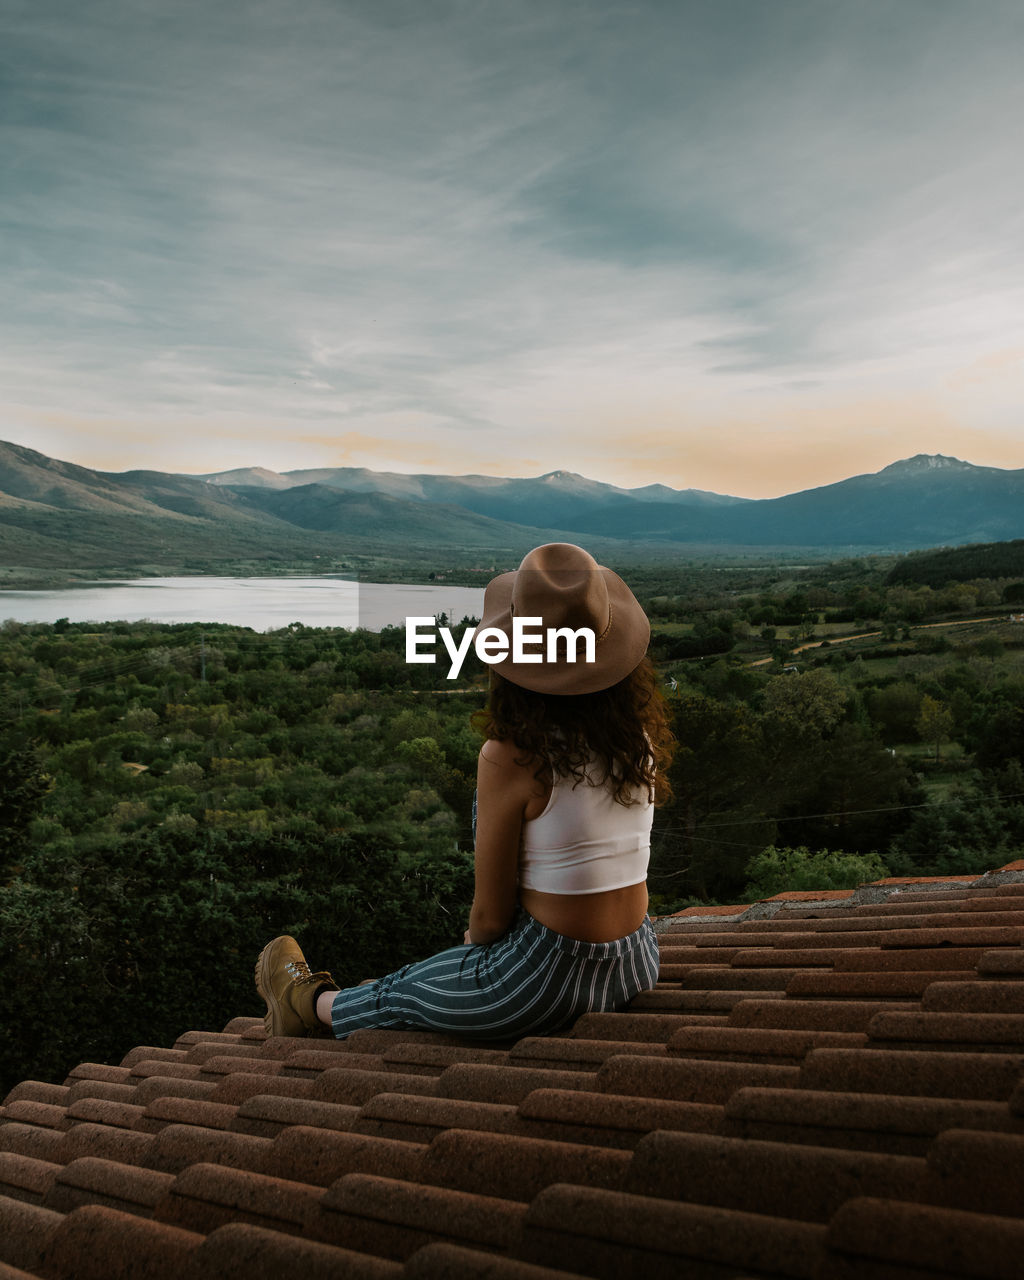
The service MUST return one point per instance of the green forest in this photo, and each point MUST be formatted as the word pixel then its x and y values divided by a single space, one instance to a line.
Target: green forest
pixel 173 796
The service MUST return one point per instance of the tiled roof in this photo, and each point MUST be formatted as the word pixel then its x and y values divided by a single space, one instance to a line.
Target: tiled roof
pixel 817 1089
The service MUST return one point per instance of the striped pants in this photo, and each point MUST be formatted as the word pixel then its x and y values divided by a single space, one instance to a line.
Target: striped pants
pixel 531 980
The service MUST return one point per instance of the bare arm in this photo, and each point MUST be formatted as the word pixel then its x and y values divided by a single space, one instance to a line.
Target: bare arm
pixel 503 791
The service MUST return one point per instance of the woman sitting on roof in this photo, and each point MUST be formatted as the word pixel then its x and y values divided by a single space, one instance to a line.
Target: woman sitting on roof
pixel 566 784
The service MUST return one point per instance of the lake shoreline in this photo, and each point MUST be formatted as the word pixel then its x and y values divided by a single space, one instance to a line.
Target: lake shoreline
pixel 261 603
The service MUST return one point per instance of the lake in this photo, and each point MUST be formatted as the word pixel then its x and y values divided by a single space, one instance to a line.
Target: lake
pixel 264 604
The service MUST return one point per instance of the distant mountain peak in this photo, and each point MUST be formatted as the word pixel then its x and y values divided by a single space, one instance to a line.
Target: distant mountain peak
pixel 926 462
pixel 259 476
pixel 561 475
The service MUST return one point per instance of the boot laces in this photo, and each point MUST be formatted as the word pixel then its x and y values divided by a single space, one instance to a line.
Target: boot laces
pixel 298 971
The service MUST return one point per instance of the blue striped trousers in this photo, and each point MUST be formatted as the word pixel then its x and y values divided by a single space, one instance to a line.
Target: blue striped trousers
pixel 531 980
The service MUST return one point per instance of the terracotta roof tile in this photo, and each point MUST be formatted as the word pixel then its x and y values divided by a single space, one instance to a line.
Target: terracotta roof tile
pixel 778 957
pixel 206 1196
pixel 608 1234
pixel 394 1218
pixel 703 913
pixel 162 1087
pixel 201 1053
pixel 240 1251
pixel 170 1110
pixel 514 1167
pixel 753 1044
pixel 266 1115
pixel 872 1236
pixel 896 882
pixel 889 984
pixel 25 1230
pixel 982 1032
pixel 1002 962
pixel 106 1089
pixel 189 1038
pixel 643 1028
pixel 612 1120
pixel 812 1015
pixel 476 1082
pixel 975 997
pixel 820 1086
pixel 97 1243
pixel 165 1070
pixel 177 1146
pixel 30 1140
pixel 93 1180
pixel 235 1087
pixel 25 1178
pixel 150 1053
pixel 306 1064
pixel 455 1262
pixel 320 1156
pixel 909 960
pixel 729 978
pixel 38 1091
pixel 667 1001
pixel 121 1115
pixel 785 1180
pixel 355 1087
pixel 44 1114
pixel 577 1054
pixel 688 1079
pixel 99 1071
pixel 933 1075
pixel 978 1171
pixel 433 1059
pixel 863 1122
pixel 126 1146
pixel 415 1118
pixel 808 895
pixel 674 950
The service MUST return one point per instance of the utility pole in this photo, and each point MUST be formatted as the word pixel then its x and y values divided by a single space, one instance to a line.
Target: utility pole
pixel 202 656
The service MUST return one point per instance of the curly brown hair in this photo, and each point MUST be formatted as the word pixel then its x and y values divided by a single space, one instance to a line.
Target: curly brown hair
pixel 624 729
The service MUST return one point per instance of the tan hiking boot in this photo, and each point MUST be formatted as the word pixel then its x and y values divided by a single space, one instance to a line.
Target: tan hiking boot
pixel 284 980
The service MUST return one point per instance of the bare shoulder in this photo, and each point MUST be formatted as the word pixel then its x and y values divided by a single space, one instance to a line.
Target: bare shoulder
pixel 502 771
pixel 503 754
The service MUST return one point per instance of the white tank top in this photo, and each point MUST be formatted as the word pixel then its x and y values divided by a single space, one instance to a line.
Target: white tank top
pixel 585 841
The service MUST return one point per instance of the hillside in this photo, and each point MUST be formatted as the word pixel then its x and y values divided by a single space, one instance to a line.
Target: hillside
pixel 56 514
pixel 957 564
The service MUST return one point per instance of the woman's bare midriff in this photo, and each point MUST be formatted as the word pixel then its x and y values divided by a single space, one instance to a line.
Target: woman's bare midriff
pixel 590 917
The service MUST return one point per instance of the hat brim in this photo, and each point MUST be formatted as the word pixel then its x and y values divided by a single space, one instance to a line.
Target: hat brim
pixel 618 652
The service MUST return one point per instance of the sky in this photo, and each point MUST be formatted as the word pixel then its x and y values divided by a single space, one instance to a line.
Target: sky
pixel 747 246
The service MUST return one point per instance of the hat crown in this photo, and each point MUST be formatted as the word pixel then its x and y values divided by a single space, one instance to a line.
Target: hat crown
pixel 564 586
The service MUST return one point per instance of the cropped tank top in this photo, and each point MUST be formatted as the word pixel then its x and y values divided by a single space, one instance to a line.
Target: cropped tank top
pixel 585 841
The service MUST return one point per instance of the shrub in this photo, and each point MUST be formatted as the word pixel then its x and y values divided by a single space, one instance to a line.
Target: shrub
pixel 786 870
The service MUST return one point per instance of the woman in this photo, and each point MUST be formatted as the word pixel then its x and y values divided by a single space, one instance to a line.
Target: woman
pixel 566 783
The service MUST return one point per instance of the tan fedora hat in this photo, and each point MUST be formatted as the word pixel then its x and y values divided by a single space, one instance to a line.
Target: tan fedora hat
pixel 565 587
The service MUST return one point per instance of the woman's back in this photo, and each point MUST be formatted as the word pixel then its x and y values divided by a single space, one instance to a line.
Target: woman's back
pixel 585 840
pixel 583 859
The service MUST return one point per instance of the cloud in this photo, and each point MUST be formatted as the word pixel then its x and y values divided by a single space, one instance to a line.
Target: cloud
pixel 443 235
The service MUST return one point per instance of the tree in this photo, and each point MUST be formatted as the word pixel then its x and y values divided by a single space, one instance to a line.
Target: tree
pixel 23 784
pixel 806 704
pixel 701 842
pixel 895 709
pixel 934 723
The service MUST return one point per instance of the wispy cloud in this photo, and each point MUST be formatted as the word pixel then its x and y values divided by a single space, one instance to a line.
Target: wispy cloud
pixel 467 237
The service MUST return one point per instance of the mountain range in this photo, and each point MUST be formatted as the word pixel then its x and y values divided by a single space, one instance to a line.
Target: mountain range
pixel 58 514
